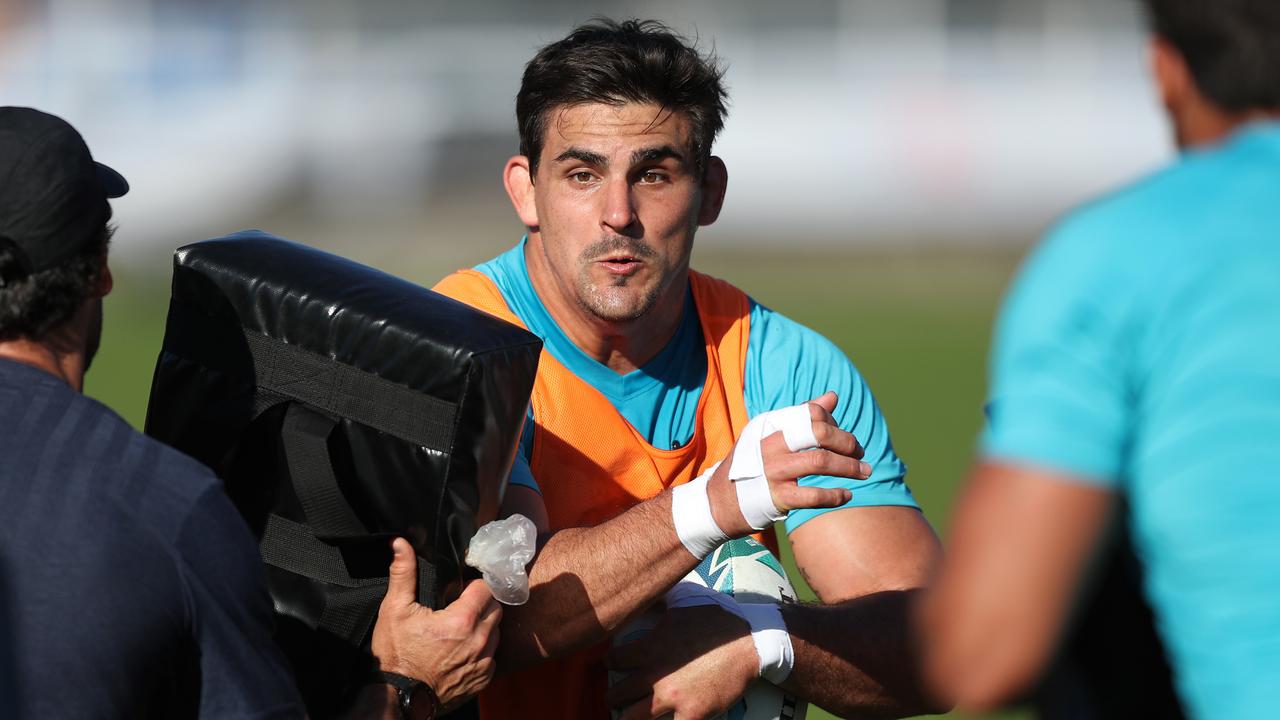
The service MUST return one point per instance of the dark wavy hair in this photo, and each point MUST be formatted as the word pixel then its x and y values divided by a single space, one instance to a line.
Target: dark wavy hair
pixel 32 304
pixel 1232 47
pixel 614 63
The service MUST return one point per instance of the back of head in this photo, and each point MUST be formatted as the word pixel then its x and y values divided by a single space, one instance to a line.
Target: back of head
pixel 1232 48
pixel 637 61
pixel 34 303
pixel 53 221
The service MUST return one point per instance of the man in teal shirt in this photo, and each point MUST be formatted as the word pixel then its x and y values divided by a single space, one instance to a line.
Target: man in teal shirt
pixel 1138 357
pixel 786 364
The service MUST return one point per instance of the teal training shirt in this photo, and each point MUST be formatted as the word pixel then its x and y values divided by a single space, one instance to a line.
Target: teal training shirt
pixel 787 364
pixel 1140 350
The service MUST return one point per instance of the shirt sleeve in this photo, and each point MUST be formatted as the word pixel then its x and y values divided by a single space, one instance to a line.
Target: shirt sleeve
pixel 243 672
pixel 788 364
pixel 521 474
pixel 1058 389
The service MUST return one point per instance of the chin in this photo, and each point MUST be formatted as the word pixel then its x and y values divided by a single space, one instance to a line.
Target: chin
pixel 616 309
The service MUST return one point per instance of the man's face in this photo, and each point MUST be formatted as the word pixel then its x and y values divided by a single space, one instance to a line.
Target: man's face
pixel 618 198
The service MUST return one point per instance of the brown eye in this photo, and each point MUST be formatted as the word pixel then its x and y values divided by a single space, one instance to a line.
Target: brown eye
pixel 581 177
pixel 650 177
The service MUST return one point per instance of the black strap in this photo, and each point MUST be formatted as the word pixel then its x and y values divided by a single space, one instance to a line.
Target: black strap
pixel 349 612
pixel 290 546
pixel 345 391
pixel 305 437
pixel 322 382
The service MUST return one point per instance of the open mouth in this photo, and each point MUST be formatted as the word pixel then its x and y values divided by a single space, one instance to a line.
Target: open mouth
pixel 621 264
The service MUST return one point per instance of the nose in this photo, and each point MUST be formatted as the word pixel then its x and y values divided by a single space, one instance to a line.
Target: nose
pixel 619 212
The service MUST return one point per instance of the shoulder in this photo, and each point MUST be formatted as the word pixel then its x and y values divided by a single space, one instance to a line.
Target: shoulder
pixel 776 330
pixel 1149 216
pixel 466 286
pixel 1106 252
pixel 157 486
pixel 787 353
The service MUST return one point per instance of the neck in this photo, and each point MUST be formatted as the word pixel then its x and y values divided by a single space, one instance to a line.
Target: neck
pixel 1202 124
pixel 50 355
pixel 621 346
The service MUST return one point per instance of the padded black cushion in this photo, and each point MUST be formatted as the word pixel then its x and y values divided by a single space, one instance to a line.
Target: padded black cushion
pixel 341 406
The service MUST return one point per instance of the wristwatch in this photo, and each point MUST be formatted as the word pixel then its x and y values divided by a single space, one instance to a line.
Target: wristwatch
pixel 414 697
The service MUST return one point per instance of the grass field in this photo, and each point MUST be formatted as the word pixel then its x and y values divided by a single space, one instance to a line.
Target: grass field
pixel 916 324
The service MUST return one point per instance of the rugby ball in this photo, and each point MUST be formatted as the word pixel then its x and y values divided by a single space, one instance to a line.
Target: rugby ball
pixel 746 570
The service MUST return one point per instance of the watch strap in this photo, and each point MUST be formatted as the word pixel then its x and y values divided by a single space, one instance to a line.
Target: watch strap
pixel 407 689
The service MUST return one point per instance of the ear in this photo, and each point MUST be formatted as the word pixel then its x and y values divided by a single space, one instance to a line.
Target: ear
pixel 517 178
pixel 105 281
pixel 714 183
pixel 1172 76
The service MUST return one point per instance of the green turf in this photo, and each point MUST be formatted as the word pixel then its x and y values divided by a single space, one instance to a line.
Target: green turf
pixel 916 324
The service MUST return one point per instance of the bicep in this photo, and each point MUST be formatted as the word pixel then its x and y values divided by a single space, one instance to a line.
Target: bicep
pixel 855 551
pixel 526 501
pixel 788 364
pixel 1021 541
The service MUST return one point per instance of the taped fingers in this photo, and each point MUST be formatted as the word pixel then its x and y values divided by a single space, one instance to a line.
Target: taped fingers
pixel 747 471
pixel 796 423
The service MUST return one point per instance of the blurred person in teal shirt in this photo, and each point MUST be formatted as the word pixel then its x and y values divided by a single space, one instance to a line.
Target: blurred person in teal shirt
pixel 1137 358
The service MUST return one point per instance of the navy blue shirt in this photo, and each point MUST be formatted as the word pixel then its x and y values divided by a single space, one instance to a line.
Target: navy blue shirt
pixel 134 589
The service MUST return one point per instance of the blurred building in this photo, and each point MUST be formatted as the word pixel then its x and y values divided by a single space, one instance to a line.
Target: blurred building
pixel 853 122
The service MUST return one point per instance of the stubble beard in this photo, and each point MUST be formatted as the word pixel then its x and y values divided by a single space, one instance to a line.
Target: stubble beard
pixel 621 300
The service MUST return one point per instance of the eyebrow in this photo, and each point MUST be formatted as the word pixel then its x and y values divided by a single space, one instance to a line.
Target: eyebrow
pixel 643 155
pixel 656 153
pixel 586 156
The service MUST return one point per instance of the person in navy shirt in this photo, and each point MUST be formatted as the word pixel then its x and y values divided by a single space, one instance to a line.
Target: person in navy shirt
pixel 129 585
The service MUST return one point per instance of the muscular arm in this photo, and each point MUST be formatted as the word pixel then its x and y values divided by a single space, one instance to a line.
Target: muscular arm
pixel 855 654
pixel 586 582
pixel 1021 541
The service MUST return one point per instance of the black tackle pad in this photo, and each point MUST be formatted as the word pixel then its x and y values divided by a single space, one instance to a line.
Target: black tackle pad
pixel 341 406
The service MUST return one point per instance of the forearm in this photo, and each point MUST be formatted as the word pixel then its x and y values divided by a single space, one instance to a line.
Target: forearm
pixel 586 582
pixel 858 657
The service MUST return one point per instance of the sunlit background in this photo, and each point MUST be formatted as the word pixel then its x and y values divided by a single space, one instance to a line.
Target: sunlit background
pixel 889 160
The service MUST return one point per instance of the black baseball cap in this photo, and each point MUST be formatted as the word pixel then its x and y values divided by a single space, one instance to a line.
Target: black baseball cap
pixel 53 195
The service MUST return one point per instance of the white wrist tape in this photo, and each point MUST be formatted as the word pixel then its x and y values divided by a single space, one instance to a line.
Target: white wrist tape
pixel 747 468
pixel 773 642
pixel 691 515
pixel 768 630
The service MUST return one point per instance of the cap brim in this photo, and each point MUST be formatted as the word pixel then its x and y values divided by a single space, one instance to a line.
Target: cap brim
pixel 113 183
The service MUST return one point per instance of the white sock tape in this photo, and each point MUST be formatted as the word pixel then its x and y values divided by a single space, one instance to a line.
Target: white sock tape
pixel 773 642
pixel 747 469
pixel 691 515
pixel 768 630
